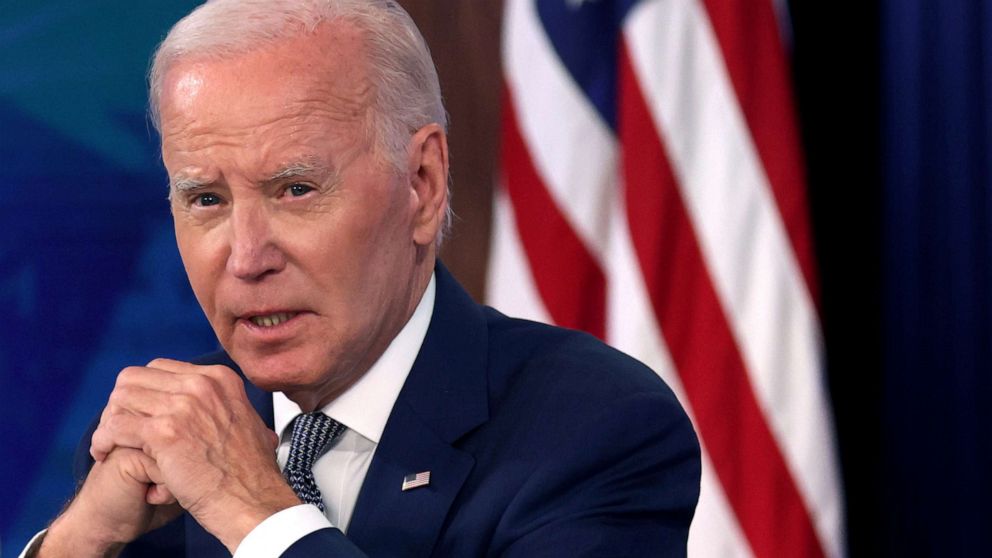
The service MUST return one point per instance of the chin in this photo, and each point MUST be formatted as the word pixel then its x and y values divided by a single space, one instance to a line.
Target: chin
pixel 277 373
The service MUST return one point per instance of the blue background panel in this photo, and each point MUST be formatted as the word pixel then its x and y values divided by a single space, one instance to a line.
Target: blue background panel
pixel 90 278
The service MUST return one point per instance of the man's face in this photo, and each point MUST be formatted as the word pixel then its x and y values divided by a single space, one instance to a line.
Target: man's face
pixel 298 239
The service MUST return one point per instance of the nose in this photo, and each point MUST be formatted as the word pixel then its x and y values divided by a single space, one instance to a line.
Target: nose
pixel 255 251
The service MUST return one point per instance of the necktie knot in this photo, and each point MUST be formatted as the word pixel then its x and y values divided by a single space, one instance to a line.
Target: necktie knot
pixel 312 432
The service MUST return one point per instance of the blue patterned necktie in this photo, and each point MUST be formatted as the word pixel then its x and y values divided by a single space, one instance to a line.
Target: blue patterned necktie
pixel 312 432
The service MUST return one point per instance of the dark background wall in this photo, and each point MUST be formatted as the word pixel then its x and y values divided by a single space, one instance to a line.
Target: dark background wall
pixel 836 65
pixel 894 102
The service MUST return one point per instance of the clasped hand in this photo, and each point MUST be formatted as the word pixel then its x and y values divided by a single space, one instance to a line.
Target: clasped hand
pixel 177 435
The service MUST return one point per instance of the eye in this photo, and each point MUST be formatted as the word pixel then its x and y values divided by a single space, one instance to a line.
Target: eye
pixel 296 190
pixel 206 199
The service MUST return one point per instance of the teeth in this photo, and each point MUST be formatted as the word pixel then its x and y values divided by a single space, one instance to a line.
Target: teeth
pixel 272 319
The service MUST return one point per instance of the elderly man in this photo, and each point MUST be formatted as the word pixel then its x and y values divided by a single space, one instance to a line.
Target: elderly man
pixel 384 413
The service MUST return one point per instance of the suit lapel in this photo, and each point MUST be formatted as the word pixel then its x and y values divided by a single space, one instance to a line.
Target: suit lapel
pixel 391 522
pixel 444 397
pixel 198 541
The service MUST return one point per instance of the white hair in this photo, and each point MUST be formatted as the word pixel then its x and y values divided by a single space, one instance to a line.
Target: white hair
pixel 406 96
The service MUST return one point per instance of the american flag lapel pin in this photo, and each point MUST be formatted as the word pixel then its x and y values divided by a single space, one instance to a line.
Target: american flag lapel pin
pixel 412 480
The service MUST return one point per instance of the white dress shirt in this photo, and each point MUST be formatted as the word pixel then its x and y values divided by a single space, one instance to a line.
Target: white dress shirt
pixel 341 470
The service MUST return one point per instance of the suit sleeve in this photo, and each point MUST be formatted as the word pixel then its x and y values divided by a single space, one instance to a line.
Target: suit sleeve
pixel 623 482
pixel 274 536
pixel 325 542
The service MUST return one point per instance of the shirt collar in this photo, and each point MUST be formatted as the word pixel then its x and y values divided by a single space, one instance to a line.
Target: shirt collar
pixel 366 405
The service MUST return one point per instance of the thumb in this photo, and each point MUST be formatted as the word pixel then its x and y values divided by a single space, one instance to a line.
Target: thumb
pixel 159 495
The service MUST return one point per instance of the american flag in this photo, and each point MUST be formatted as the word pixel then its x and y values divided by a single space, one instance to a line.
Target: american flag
pixel 652 192
pixel 414 480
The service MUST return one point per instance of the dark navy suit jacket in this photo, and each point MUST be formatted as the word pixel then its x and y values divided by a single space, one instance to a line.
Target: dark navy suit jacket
pixel 540 442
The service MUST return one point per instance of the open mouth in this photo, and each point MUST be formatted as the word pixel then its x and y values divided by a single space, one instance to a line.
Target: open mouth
pixel 272 320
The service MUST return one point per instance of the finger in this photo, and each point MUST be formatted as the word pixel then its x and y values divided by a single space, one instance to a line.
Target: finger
pixel 153 474
pixel 273 439
pixel 220 373
pixel 104 416
pixel 135 465
pixel 129 380
pixel 151 378
pixel 118 427
pixel 159 495
pixel 98 453
pixel 216 371
pixel 101 443
pixel 130 401
pixel 139 400
pixel 120 430
pixel 133 380
pixel 171 365
pixel 228 382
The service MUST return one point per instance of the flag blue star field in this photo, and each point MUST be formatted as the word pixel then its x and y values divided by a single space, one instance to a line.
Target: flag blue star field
pixel 653 194
pixel 91 280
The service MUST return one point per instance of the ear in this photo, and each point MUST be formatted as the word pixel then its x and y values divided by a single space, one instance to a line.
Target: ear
pixel 427 167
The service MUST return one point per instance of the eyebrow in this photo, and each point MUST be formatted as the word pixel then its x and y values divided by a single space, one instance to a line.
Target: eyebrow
pixel 297 169
pixel 181 183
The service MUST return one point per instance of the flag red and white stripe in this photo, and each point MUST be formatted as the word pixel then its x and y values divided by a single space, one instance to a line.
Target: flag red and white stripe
pixel 669 217
pixel 416 480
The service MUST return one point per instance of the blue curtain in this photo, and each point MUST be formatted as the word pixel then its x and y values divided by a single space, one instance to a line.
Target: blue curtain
pixel 936 88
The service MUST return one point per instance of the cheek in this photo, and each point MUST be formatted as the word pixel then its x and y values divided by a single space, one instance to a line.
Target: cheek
pixel 351 262
pixel 389 220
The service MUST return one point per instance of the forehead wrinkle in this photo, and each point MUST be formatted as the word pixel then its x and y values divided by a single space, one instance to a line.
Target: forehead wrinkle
pixel 202 139
pixel 347 120
pixel 230 127
pixel 347 103
pixel 300 127
pixel 339 98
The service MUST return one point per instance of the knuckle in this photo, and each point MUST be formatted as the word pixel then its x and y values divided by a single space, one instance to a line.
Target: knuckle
pixel 116 405
pixel 182 404
pixel 99 437
pixel 230 383
pixel 160 363
pixel 112 423
pixel 125 376
pixel 219 372
pixel 166 430
pixel 121 393
pixel 199 386
pixel 107 411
